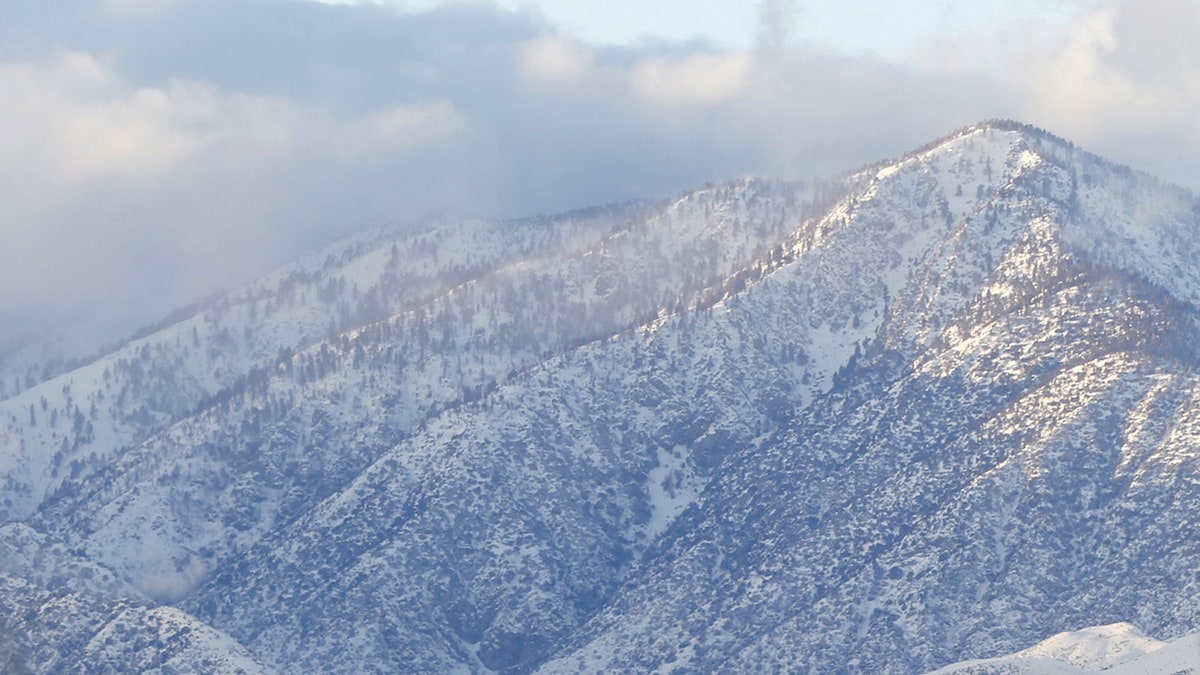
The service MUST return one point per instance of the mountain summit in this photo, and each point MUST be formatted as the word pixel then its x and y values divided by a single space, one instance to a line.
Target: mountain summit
pixel 935 410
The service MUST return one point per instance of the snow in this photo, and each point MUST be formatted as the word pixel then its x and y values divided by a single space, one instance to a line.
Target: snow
pixel 1115 649
pixel 672 486
pixel 1097 648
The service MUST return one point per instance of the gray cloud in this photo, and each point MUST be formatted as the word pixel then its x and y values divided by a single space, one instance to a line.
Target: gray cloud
pixel 776 20
pixel 152 152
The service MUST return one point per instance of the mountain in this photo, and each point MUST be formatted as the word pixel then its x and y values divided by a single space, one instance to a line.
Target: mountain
pixel 934 410
pixel 1118 649
pixel 86 619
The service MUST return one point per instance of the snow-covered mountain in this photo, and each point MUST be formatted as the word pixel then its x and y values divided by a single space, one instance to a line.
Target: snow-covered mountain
pixel 1117 649
pixel 931 411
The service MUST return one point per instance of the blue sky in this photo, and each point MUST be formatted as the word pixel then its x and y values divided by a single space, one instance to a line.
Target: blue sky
pixel 154 151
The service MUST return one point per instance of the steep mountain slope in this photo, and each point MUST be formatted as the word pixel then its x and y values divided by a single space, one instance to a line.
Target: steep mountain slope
pixel 252 375
pixel 642 419
pixel 166 495
pixel 1014 455
pixel 937 410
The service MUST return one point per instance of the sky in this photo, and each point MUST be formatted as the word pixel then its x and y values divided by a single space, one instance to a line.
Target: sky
pixel 153 152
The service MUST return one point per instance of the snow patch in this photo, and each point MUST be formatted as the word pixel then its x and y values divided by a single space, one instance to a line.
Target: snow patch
pixel 672 486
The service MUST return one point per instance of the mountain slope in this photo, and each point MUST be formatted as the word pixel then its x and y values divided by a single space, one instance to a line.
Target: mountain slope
pixel 90 621
pixel 1020 434
pixel 936 410
pixel 618 419
pixel 171 508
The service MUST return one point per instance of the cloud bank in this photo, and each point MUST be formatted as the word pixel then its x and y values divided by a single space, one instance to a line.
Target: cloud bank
pixel 154 152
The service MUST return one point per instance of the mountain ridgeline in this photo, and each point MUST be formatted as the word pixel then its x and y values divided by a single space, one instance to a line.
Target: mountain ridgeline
pixel 936 410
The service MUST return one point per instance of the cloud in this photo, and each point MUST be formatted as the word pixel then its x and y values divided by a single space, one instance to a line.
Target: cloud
pixel 1127 67
pixel 70 120
pixel 698 79
pixel 1122 79
pixel 554 60
pixel 151 153
pixel 776 20
pixel 128 198
pixel 134 7
pixel 397 127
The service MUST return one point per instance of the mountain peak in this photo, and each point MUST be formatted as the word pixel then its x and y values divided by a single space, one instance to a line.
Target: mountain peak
pixel 1022 129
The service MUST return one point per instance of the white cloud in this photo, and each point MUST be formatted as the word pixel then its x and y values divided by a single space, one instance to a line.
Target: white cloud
pixel 554 60
pixel 394 128
pixel 127 198
pixel 695 80
pixel 1122 79
pixel 71 120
